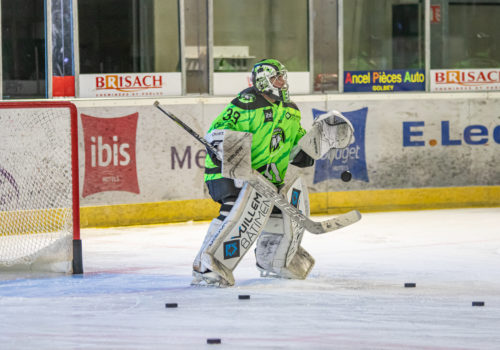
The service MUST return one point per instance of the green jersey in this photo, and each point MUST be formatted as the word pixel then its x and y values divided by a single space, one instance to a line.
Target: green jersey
pixel 275 127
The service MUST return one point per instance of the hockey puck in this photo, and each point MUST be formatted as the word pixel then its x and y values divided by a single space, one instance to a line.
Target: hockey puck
pixel 410 285
pixel 478 303
pixel 346 176
pixel 213 341
pixel 170 305
pixel 243 297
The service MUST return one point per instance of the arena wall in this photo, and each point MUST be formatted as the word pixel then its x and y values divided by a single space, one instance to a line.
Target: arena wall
pixel 412 151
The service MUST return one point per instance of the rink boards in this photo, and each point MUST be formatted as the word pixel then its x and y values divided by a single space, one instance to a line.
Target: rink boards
pixel 412 151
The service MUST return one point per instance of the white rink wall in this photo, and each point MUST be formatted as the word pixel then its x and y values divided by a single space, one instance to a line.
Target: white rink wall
pixel 132 154
pixel 409 141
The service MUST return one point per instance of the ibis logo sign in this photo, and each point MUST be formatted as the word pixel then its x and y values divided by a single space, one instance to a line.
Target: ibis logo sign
pixel 110 160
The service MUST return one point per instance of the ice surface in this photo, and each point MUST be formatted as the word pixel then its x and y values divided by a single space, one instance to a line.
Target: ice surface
pixel 353 299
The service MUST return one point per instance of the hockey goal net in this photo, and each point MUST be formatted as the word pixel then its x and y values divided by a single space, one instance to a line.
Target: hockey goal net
pixel 39 192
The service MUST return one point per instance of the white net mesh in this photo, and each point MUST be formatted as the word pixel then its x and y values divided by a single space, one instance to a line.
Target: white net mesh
pixel 35 187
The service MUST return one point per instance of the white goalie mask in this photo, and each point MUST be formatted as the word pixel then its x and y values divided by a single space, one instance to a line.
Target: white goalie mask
pixel 265 75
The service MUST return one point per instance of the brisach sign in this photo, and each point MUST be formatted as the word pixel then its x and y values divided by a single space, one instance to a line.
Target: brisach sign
pixel 110 159
pixel 130 85
pixel 465 79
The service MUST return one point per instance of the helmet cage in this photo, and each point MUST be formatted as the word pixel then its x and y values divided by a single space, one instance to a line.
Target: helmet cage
pixel 264 75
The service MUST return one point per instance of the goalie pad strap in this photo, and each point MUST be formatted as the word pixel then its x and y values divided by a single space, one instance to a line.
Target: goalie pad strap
pixel 216 170
pixel 302 160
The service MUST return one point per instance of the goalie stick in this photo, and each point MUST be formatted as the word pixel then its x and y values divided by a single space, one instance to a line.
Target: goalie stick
pixel 265 188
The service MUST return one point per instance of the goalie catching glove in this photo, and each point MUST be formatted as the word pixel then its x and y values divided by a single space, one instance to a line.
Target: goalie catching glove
pixel 329 131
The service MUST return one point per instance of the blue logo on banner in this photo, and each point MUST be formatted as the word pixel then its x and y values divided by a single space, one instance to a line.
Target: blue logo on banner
pixel 351 158
pixel 385 80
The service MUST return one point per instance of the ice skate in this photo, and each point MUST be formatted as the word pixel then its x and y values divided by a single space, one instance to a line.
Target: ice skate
pixel 267 273
pixel 208 279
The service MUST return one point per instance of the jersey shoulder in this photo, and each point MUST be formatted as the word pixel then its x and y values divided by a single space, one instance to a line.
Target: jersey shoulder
pixel 291 105
pixel 249 99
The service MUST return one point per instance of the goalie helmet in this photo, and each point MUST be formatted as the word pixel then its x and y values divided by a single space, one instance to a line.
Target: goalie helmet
pixel 265 74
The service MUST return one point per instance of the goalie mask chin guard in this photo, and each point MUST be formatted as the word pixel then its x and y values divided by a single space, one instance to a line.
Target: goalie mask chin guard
pixel 265 75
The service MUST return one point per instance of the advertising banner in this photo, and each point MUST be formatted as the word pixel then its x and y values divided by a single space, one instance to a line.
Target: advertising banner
pixel 385 80
pixel 134 154
pixel 352 158
pixel 110 149
pixel 447 80
pixel 130 85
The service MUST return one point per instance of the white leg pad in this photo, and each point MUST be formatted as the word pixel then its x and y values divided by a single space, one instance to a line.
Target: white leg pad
pixel 272 252
pixel 278 250
pixel 212 231
pixel 224 247
pixel 300 266
pixel 269 243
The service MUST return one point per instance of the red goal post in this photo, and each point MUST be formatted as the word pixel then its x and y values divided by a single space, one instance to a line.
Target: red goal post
pixel 39 187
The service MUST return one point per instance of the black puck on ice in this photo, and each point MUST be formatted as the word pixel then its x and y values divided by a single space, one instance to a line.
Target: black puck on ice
pixel 478 303
pixel 243 297
pixel 213 341
pixel 170 305
pixel 346 176
pixel 410 285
